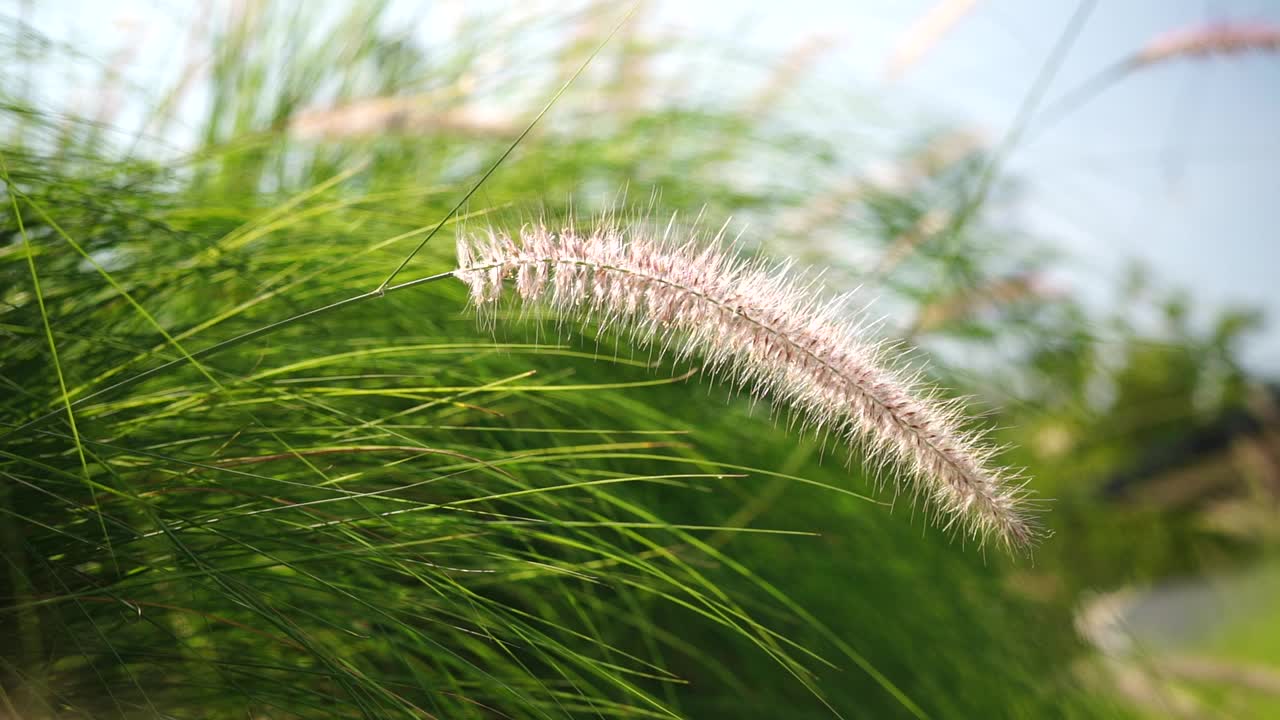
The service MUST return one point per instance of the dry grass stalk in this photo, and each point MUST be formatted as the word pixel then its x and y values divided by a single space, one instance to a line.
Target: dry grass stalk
pixel 768 334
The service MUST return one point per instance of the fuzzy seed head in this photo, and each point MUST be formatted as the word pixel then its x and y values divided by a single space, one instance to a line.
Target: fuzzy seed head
pixel 766 333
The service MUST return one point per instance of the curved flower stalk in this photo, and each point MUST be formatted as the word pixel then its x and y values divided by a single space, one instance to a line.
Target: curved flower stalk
pixel 766 333
pixel 1216 39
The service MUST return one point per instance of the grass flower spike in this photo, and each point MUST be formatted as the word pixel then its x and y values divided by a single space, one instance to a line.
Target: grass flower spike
pixel 768 334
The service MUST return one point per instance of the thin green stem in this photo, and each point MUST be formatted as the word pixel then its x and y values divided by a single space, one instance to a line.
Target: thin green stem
pixel 1026 112
pixel 53 350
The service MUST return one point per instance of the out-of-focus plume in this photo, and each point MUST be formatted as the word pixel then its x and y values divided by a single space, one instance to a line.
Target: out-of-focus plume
pixel 924 34
pixel 1216 39
pixel 409 115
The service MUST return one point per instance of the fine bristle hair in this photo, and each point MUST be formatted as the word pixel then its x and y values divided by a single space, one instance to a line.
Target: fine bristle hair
pixel 755 325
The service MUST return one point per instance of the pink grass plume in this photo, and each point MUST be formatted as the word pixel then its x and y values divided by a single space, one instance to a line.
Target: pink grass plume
pixel 753 324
